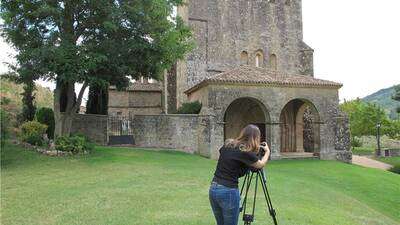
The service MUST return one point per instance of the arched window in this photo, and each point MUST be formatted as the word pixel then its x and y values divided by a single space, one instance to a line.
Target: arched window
pixel 273 62
pixel 244 58
pixel 259 59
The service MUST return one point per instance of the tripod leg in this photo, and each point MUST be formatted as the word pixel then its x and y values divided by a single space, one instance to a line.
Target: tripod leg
pixel 247 191
pixel 267 197
pixel 241 190
pixel 244 183
pixel 249 218
pixel 255 195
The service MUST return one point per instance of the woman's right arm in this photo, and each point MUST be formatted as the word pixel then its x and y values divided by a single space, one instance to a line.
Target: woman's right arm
pixel 262 162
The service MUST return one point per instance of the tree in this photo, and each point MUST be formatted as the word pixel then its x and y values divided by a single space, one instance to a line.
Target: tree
pixel 364 117
pixel 393 129
pixel 28 104
pixel 46 116
pixel 396 96
pixel 4 126
pixel 93 41
pixel 98 100
pixel 21 75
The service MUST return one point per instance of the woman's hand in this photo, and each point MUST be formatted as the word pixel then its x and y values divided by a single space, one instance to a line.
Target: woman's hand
pixel 261 163
pixel 264 145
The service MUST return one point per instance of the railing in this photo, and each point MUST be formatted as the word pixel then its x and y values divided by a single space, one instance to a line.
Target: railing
pixel 120 125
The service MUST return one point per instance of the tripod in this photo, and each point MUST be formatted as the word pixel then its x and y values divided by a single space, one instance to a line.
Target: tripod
pixel 259 174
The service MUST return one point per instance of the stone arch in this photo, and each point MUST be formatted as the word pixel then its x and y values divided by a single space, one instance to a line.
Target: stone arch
pixel 244 58
pixel 259 60
pixel 300 127
pixel 243 111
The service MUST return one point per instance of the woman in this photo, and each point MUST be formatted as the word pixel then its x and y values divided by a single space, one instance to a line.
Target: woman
pixel 236 158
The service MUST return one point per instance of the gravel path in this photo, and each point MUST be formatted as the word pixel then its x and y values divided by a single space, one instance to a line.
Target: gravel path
pixel 367 162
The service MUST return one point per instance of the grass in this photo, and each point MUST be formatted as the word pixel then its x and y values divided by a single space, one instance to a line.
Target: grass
pixel 137 186
pixel 395 161
pixel 363 151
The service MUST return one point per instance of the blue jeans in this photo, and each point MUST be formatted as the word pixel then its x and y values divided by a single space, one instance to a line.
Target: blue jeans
pixel 225 203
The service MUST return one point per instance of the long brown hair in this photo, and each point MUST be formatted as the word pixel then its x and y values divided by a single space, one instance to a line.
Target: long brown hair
pixel 248 139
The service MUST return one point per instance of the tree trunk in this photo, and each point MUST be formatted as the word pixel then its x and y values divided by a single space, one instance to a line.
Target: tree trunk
pixel 97 100
pixel 28 100
pixel 57 111
pixel 63 120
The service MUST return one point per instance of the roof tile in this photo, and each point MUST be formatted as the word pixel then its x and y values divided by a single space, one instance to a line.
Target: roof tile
pixel 256 75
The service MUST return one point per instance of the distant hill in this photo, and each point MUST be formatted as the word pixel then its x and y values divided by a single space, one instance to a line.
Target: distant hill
pixel 44 96
pixel 384 99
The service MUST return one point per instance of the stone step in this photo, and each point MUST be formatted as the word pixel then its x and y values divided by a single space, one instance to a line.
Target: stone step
pixel 298 155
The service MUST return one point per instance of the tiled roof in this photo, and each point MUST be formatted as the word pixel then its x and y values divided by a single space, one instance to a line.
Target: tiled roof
pixel 255 75
pixel 137 86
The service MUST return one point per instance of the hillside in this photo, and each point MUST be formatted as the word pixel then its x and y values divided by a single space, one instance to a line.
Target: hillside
pixel 44 96
pixel 138 186
pixel 11 98
pixel 383 99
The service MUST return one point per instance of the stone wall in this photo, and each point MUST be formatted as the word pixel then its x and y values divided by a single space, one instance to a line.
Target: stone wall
pixel 188 133
pixel 93 126
pixel 127 103
pixel 342 135
pixel 195 134
pixel 171 84
pixel 391 152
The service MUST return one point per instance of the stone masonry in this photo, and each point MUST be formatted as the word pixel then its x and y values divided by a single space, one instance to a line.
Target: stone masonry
pixel 224 29
pixel 139 98
pixel 188 133
pixel 93 126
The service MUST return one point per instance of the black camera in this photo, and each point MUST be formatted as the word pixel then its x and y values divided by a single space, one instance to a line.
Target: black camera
pixel 261 151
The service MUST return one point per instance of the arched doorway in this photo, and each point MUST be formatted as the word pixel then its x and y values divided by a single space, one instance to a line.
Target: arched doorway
pixel 300 127
pixel 244 111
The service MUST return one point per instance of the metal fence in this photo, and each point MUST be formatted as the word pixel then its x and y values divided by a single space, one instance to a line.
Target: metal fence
pixel 120 125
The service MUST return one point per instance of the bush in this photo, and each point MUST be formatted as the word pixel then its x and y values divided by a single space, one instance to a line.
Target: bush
pixel 76 144
pixel 356 142
pixel 392 129
pixel 46 116
pixel 4 126
pixel 190 108
pixel 32 132
pixel 395 169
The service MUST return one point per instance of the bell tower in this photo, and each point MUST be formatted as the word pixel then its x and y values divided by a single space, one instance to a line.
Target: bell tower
pixel 263 33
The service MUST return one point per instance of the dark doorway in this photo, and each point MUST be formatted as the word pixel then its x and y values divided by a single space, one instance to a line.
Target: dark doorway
pixel 244 111
pixel 299 125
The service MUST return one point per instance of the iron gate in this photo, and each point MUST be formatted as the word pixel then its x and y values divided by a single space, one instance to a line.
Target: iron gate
pixel 120 130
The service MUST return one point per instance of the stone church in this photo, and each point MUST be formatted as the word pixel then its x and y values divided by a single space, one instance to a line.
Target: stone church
pixel 250 65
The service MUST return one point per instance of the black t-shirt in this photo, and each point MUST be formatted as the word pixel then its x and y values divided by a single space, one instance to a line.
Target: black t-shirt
pixel 233 164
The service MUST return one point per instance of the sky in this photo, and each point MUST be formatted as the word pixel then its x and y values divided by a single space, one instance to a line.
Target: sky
pixel 355 42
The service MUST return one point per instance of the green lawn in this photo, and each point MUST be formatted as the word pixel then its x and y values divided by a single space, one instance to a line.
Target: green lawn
pixel 363 151
pixel 395 161
pixel 118 186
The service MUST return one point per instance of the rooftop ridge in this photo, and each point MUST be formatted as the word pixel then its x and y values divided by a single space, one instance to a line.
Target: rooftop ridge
pixel 255 75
